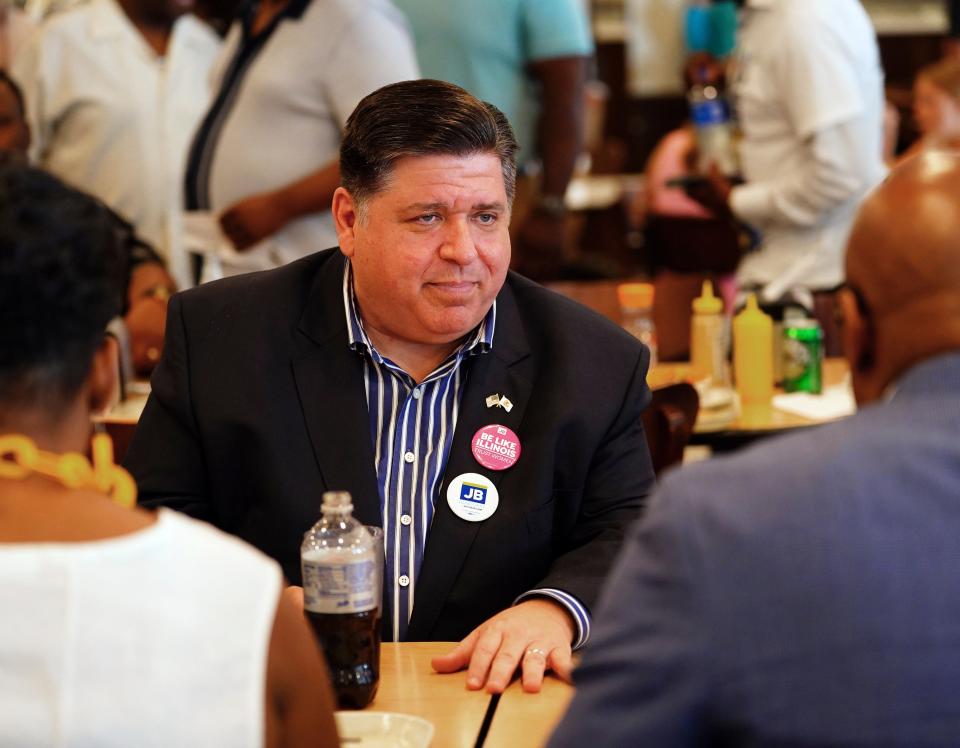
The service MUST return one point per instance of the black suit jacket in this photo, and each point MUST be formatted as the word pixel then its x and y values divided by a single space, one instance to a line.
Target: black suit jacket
pixel 258 407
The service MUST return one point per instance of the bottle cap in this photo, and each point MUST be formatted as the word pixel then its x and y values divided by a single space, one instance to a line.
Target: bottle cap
pixel 706 302
pixel 338 502
pixel 635 295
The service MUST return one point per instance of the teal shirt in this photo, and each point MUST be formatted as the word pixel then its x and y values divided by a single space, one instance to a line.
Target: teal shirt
pixel 485 47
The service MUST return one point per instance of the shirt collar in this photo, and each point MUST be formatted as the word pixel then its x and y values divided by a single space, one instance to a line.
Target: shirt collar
pixel 293 9
pixel 937 374
pixel 296 8
pixel 107 20
pixel 478 341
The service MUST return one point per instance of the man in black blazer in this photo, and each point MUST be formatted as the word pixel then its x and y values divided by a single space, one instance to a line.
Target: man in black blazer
pixel 375 369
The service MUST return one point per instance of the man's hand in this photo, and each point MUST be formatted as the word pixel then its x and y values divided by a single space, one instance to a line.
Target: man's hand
pixel 295 595
pixel 254 218
pixel 713 193
pixel 535 635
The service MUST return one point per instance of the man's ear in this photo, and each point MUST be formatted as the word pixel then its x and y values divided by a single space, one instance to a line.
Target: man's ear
pixel 858 337
pixel 104 378
pixel 346 216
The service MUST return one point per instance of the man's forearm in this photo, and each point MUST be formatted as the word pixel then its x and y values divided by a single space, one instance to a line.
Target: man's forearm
pixel 312 193
pixel 560 127
pixel 258 216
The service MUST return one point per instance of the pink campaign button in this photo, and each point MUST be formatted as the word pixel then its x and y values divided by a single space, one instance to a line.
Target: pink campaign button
pixel 496 447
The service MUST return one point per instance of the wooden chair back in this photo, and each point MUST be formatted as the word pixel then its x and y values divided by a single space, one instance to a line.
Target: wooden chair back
pixel 668 422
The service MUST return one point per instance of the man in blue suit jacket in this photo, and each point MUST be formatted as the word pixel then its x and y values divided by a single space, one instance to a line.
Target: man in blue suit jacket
pixel 806 592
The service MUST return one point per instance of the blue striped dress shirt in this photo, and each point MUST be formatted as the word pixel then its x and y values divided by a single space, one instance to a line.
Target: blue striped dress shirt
pixel 411 429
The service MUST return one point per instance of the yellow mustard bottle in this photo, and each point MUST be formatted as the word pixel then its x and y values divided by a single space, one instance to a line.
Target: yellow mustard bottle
pixel 753 354
pixel 707 355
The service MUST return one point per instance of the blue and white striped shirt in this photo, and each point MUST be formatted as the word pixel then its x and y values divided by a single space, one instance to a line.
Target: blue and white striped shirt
pixel 411 429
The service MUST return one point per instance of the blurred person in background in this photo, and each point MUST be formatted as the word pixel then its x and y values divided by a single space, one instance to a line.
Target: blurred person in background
pixel 808 89
pixel 530 59
pixel 684 242
pixel 263 164
pixel 120 626
pixel 936 107
pixel 803 592
pixel 114 90
pixel 148 284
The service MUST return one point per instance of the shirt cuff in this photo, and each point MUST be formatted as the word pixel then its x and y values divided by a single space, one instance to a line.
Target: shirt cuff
pixel 577 610
pixel 752 203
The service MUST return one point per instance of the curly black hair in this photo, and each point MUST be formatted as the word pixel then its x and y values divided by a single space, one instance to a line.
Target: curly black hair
pixel 62 271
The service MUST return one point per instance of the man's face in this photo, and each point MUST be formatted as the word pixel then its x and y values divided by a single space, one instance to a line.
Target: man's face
pixel 14 133
pixel 936 112
pixel 432 248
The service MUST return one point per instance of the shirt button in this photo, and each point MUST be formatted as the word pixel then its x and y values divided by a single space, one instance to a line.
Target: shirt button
pixel 406 520
pixel 404 581
pixel 417 393
pixel 409 457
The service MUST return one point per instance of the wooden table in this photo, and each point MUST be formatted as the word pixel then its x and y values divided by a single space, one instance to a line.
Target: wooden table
pixel 408 685
pixel 121 421
pixel 599 191
pixel 525 720
pixel 752 423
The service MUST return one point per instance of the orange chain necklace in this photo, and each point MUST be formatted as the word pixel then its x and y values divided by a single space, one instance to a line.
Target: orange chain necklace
pixel 20 458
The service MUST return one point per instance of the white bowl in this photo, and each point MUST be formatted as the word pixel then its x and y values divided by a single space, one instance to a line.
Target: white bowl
pixel 383 730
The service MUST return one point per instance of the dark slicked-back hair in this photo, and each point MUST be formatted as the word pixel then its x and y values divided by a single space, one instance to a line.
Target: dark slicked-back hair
pixel 62 270
pixel 420 118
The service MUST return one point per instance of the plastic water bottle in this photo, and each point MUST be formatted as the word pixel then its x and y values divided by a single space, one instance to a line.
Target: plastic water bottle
pixel 342 587
pixel 713 127
pixel 636 312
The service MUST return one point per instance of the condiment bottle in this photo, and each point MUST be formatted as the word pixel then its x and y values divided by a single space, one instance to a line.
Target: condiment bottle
pixel 707 355
pixel 753 354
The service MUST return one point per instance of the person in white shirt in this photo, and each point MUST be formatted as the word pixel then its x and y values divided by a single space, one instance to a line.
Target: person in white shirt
pixel 263 164
pixel 808 88
pixel 120 627
pixel 114 90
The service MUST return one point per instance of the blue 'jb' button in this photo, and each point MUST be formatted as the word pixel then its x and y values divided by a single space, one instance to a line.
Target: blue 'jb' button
pixel 473 493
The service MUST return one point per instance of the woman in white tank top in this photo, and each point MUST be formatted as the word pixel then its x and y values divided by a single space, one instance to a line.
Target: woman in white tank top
pixel 119 627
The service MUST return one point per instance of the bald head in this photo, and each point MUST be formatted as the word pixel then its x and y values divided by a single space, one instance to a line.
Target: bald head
pixel 903 258
pixel 905 245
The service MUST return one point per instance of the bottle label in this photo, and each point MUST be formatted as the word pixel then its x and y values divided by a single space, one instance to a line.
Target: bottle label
pixel 340 586
pixel 711 112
